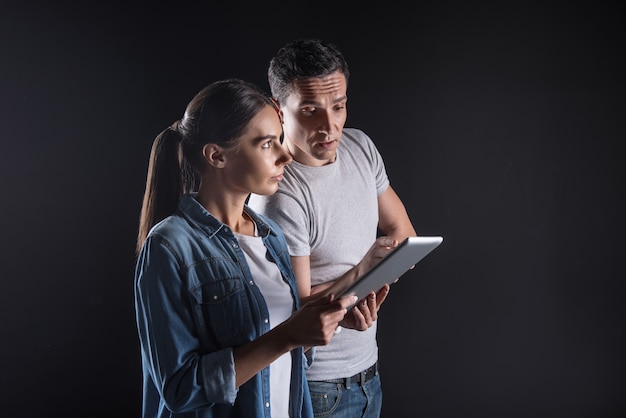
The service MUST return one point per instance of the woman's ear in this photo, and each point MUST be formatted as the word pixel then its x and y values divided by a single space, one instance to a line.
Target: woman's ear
pixel 214 155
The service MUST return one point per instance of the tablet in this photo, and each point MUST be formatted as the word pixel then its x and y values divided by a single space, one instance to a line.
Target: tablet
pixel 407 254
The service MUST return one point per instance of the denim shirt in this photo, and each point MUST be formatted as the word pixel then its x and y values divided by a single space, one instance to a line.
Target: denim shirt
pixel 196 300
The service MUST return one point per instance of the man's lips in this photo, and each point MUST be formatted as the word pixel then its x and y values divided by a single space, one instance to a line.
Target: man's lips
pixel 327 144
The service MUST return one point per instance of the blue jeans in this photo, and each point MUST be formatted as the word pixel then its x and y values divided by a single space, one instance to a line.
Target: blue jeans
pixel 338 401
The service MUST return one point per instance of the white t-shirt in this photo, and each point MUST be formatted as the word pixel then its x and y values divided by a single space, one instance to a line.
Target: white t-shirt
pixel 279 302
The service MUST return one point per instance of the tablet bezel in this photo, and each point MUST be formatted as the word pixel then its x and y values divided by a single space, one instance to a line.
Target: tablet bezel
pixel 400 260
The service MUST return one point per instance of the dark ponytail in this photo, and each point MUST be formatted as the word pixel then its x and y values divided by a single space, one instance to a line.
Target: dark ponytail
pixel 164 182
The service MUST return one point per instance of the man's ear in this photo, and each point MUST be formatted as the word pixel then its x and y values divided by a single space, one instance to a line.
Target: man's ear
pixel 278 109
pixel 214 155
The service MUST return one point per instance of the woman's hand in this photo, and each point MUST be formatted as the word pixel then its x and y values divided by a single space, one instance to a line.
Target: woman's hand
pixel 316 321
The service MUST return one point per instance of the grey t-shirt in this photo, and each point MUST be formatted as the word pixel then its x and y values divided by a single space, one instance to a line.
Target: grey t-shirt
pixel 330 213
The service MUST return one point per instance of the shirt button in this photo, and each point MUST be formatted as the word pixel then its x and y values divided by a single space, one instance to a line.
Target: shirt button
pixel 235 245
pixel 267 404
pixel 266 320
pixel 251 283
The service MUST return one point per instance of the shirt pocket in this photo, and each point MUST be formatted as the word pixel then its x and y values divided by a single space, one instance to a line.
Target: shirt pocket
pixel 223 311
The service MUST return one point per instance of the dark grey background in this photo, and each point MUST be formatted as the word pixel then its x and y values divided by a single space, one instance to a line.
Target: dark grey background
pixel 502 127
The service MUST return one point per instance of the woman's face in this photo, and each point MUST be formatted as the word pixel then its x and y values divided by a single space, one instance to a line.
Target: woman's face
pixel 257 164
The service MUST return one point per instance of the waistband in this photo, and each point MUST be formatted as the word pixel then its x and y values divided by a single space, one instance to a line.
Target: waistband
pixel 360 377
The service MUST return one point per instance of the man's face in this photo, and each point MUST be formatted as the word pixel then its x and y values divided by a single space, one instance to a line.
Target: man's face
pixel 313 115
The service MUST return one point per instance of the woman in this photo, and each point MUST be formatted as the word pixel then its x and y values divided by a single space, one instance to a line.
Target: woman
pixel 218 314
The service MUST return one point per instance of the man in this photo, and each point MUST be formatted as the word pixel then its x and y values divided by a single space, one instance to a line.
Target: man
pixel 333 202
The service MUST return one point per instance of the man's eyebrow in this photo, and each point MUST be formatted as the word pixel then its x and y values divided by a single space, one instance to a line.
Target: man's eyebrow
pixel 309 103
pixel 317 104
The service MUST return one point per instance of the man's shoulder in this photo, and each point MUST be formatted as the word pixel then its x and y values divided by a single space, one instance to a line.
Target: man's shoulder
pixel 355 137
pixel 359 145
pixel 355 134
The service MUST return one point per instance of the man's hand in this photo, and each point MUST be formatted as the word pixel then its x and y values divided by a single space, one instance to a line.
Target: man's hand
pixel 379 250
pixel 365 312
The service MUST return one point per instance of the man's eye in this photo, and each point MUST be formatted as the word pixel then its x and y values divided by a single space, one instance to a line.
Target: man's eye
pixel 267 144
